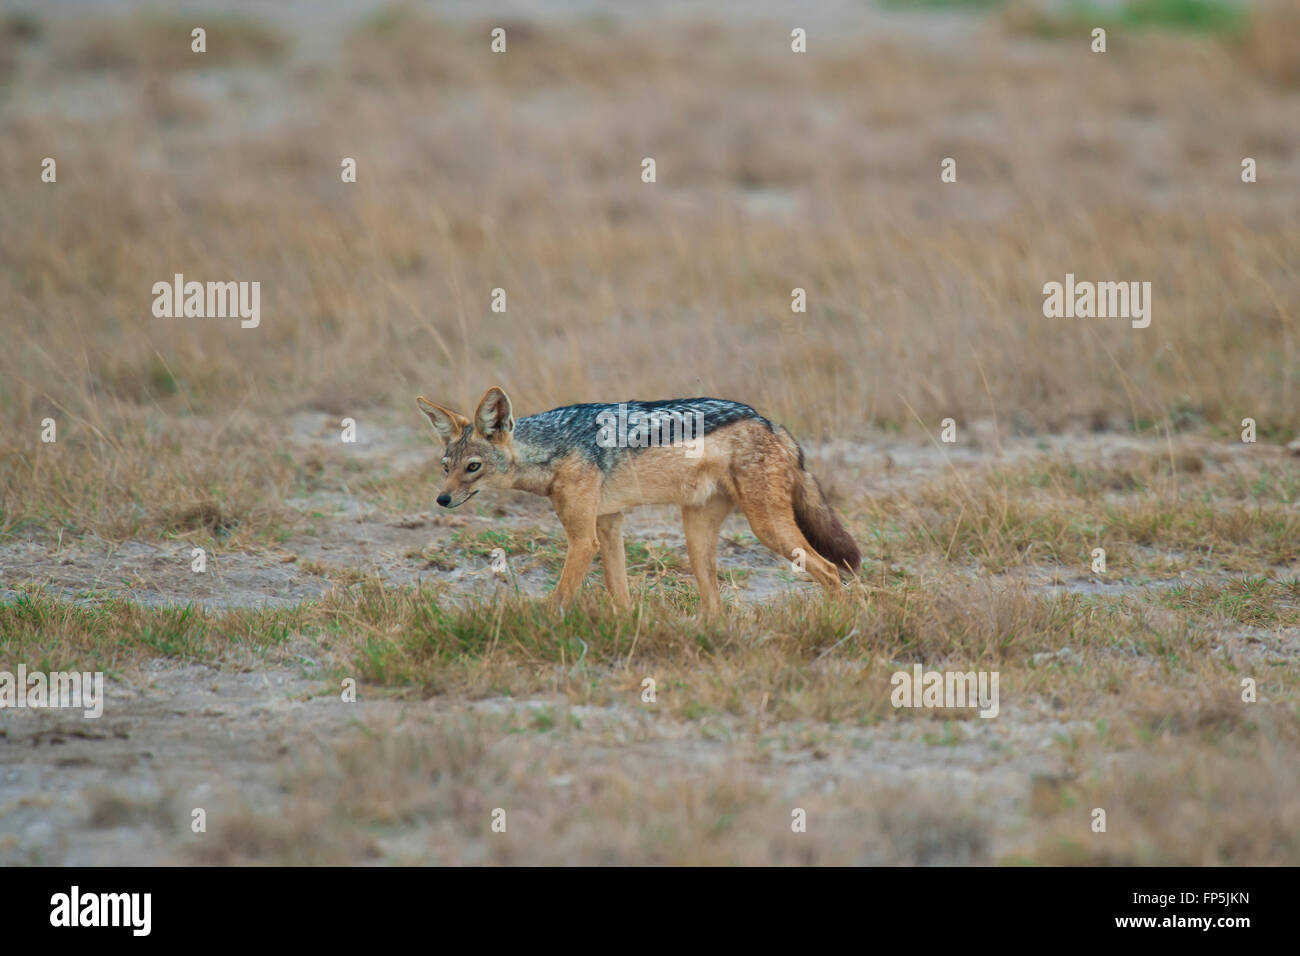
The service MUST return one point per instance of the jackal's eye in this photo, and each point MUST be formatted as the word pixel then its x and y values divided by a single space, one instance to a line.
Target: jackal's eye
pixel 474 466
pixel 446 467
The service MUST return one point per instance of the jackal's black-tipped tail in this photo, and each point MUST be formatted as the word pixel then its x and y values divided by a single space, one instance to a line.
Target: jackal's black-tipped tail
pixel 816 518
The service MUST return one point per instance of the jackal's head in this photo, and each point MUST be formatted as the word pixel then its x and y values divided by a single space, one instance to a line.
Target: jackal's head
pixel 480 453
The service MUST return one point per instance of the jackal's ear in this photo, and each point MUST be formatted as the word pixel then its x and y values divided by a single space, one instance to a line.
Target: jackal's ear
pixel 494 419
pixel 446 423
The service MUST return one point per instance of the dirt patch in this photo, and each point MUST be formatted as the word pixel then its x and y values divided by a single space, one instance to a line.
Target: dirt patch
pixel 123 790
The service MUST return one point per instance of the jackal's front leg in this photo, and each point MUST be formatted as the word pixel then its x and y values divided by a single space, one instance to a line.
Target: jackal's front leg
pixel 582 548
pixel 577 512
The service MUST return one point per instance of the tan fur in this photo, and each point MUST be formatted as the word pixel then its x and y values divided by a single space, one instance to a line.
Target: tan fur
pixel 742 465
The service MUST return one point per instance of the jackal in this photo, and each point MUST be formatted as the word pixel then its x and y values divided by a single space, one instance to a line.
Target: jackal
pixel 719 456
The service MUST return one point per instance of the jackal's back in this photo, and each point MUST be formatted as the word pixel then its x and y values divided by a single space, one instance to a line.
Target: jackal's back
pixel 562 431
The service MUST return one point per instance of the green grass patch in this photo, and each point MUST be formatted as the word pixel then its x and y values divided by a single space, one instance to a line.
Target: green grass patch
pixel 1080 17
pixel 803 657
pixel 1255 601
pixel 50 634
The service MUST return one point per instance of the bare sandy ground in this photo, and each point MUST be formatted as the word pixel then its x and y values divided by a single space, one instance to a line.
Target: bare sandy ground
pixel 122 790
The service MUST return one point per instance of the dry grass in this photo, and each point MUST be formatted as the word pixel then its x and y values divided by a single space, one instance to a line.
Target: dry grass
pixel 1057 513
pixel 440 785
pixel 158 42
pixel 522 172
pixel 1231 803
pixel 1271 45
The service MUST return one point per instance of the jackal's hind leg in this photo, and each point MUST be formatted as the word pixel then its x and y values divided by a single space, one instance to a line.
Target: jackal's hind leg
pixel 702 524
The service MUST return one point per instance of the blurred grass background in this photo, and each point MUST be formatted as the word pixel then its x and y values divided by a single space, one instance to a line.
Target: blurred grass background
pixel 522 171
